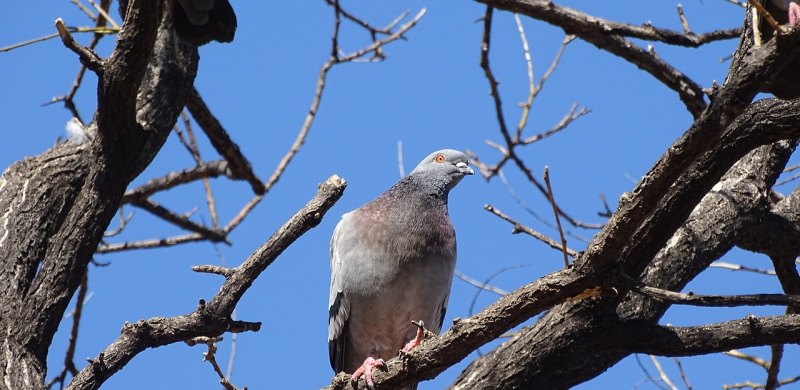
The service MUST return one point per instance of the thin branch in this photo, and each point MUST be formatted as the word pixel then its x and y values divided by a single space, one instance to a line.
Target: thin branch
pixel 400 166
pixel 151 243
pixel 647 374
pixel 69 358
pixel 683 374
pixel 87 56
pixel 195 152
pixel 748 358
pixel 334 59
pixel 708 300
pixel 96 30
pixel 480 285
pixel 520 228
pixel 84 9
pixel 662 374
pixel 553 64
pixel 739 267
pixel 213 318
pixel 184 222
pixel 572 114
pixel 209 169
pixel 552 199
pixel 766 15
pixel 684 21
pixel 774 366
pixel 214 269
pixel 222 142
pixel 526 52
pixel 211 357
pixel 102 10
pixel 610 36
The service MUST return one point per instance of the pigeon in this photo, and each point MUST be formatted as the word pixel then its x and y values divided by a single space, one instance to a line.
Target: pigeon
pixel 392 263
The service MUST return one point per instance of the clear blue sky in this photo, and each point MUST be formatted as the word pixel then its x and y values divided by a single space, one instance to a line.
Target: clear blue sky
pixel 430 93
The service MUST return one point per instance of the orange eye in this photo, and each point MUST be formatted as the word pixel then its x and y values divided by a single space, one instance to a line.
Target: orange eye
pixel 439 158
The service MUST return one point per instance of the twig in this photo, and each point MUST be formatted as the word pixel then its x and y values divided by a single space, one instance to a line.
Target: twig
pixel 213 318
pixel 767 16
pixel 683 374
pixel 662 374
pixel 739 267
pixel 102 11
pixel 684 22
pixel 554 63
pixel 708 300
pixel 480 285
pixel 87 56
pixel 84 9
pixel 209 169
pixel 96 30
pixel 507 151
pixel 752 359
pixel 526 107
pixel 210 356
pixel 774 367
pixel 211 234
pixel 214 269
pixel 222 142
pixel 400 166
pixel 334 59
pixel 123 221
pixel 150 244
pixel 610 36
pixel 195 152
pixel 555 213
pixel 520 228
pixel 571 115
pixel 647 374
pixel 69 98
pixel 789 180
pixel 69 358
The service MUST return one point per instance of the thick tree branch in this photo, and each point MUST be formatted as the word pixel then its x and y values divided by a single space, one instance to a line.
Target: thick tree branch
pixel 60 202
pixel 466 335
pixel 705 339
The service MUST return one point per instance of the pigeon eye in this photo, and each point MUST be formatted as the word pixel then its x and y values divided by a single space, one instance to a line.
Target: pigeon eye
pixel 439 158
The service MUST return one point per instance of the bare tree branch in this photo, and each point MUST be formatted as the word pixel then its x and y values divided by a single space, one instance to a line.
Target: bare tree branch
pixel 213 318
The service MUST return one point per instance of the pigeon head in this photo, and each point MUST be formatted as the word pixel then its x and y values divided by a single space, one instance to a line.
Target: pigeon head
pixel 443 169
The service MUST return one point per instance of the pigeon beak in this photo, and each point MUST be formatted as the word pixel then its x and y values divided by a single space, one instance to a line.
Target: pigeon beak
pixel 464 168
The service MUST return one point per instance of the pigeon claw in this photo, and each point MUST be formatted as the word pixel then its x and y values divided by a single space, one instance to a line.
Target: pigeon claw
pixel 794 15
pixel 416 341
pixel 366 371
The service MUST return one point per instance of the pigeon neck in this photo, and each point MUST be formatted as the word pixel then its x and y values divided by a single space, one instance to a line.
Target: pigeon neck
pixel 428 185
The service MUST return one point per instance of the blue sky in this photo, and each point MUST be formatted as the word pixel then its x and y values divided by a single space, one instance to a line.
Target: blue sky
pixel 430 94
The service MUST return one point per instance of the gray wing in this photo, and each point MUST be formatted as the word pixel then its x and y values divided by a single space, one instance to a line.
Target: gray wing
pixel 338 305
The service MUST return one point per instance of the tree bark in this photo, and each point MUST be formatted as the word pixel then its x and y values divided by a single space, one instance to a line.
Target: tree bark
pixel 56 206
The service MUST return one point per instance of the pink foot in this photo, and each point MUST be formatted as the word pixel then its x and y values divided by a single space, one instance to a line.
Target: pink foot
pixel 416 341
pixel 794 14
pixel 366 371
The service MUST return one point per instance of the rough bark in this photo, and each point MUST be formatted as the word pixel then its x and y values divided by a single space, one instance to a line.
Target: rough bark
pixel 56 206
pixel 575 342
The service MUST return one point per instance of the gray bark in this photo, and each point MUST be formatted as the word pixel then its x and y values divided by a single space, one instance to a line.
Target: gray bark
pixel 55 207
